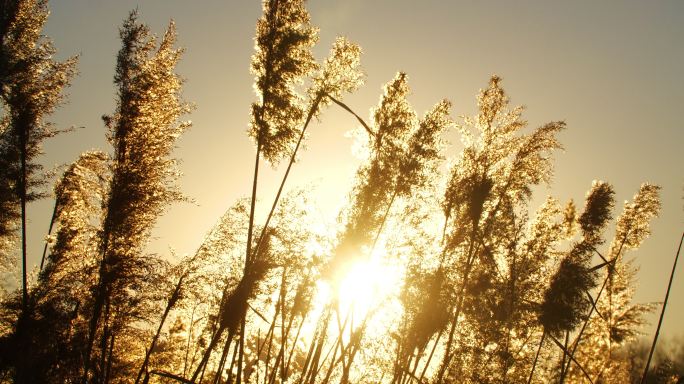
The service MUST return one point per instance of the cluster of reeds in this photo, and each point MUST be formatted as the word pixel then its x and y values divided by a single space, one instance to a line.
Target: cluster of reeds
pixel 486 291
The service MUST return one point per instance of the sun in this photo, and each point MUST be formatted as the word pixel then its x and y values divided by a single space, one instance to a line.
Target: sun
pixel 367 284
pixel 363 289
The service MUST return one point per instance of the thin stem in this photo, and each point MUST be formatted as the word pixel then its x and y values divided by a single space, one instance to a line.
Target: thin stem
pixel 457 312
pixel 169 375
pixel 248 257
pixel 308 359
pixel 270 343
pixel 269 333
pixel 312 112
pixel 316 358
pixel 419 355
pixel 599 266
pixel 280 358
pixel 283 336
pixel 204 368
pixel 432 352
pixel 355 345
pixel 250 229
pixel 662 311
pixel 100 297
pixel 572 358
pixel 600 255
pixel 444 228
pixel 222 362
pixel 609 275
pixel 564 348
pixel 346 108
pixel 52 223
pixel 294 344
pixel 109 362
pixel 507 362
pixel 105 336
pixel 270 215
pixel 170 303
pixel 187 346
pixel 584 326
pixel 384 220
pixel 333 363
pixel 232 363
pixel 23 140
pixel 536 356
pixel 340 343
pixel 207 353
pixel 593 303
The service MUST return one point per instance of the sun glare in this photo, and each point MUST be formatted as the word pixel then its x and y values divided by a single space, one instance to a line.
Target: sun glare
pixel 362 290
pixel 366 285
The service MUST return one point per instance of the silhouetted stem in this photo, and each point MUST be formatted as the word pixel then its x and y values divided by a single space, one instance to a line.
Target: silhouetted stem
pixel 248 257
pixel 250 229
pixel 307 361
pixel 280 359
pixel 187 346
pixel 444 228
pixel 572 358
pixel 564 370
pixel 268 334
pixel 599 266
pixel 270 214
pixel 432 353
pixel 384 220
pixel 204 368
pixel 169 375
pixel 536 356
pixel 109 362
pixel 232 363
pixel 593 304
pixel 270 340
pixel 313 369
pixel 23 142
pixel 312 112
pixel 564 348
pixel 222 362
pixel 52 223
pixel 402 364
pixel 346 108
pixel 280 308
pixel 507 363
pixel 100 296
pixel 419 355
pixel 355 345
pixel 333 363
pixel 170 303
pixel 105 336
pixel 346 365
pixel 207 353
pixel 294 344
pixel 339 343
pixel 459 304
pixel 284 333
pixel 217 330
pixel 662 311
pixel 472 250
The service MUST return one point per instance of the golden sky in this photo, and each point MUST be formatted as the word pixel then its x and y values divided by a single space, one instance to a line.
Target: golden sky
pixel 611 70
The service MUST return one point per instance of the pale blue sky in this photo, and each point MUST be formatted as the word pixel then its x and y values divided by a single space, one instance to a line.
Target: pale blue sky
pixel 610 69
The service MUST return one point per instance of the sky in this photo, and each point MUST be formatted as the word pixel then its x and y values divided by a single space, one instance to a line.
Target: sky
pixel 611 70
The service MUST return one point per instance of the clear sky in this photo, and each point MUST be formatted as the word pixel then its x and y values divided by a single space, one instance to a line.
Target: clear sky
pixel 610 69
